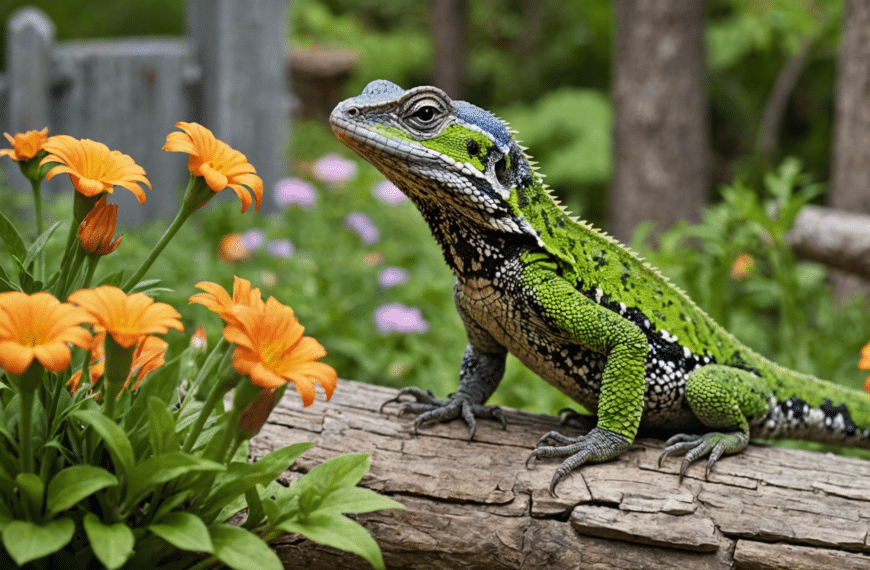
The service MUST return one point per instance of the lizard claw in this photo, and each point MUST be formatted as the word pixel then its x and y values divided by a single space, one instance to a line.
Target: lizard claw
pixel 431 408
pixel 596 446
pixel 694 447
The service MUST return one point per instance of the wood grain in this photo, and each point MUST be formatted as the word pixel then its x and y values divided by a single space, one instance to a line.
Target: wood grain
pixel 476 505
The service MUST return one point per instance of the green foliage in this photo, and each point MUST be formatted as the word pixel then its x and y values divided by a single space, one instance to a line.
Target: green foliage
pixel 153 475
pixel 736 264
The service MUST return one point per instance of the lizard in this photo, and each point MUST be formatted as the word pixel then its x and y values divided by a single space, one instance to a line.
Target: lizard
pixel 574 305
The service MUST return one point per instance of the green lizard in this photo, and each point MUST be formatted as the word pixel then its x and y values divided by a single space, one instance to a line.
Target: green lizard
pixel 572 304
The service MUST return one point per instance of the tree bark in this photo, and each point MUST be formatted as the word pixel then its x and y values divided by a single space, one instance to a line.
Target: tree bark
pixel 661 146
pixel 850 160
pixel 836 238
pixel 475 505
pixel 448 30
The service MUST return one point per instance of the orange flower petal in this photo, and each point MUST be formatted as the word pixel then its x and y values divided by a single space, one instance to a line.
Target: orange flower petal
pixel 216 162
pixel 92 167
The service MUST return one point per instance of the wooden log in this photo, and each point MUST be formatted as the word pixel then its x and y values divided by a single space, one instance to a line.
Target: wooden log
pixel 836 238
pixel 476 505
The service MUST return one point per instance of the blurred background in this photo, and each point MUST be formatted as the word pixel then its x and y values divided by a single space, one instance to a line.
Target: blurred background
pixel 694 130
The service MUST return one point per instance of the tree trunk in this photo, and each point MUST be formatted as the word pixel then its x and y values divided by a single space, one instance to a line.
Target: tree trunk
pixel 475 505
pixel 850 160
pixel 661 156
pixel 448 29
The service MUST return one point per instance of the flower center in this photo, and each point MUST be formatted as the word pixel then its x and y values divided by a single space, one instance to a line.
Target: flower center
pixel 270 354
pixel 31 337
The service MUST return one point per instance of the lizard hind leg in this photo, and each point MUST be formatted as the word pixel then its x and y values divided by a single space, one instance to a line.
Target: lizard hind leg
pixel 721 397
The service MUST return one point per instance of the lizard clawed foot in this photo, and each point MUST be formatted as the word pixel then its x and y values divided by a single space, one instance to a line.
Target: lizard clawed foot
pixel 455 405
pixel 571 417
pixel 596 446
pixel 696 446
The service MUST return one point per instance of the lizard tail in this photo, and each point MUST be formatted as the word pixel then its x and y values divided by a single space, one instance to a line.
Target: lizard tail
pixel 815 410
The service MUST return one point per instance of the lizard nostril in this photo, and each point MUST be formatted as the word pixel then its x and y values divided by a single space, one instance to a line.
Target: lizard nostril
pixel 352 112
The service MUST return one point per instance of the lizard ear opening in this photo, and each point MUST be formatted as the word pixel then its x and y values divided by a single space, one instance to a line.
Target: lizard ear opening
pixel 501 171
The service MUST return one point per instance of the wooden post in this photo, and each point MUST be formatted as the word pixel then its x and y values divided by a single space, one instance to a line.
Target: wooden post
pixel 476 505
pixel 29 40
pixel 242 48
pixel 128 94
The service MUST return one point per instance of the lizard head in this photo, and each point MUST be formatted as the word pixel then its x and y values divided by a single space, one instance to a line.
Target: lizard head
pixel 444 155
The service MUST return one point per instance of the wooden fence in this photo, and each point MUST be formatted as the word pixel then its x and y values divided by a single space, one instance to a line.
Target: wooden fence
pixel 228 73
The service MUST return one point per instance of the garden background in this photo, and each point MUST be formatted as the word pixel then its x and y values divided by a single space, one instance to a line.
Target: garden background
pixel 355 260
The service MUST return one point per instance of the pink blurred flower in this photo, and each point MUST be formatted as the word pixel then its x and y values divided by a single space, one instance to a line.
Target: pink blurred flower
pixel 295 192
pixel 280 248
pixel 396 317
pixel 388 193
pixel 334 170
pixel 391 276
pixel 363 227
pixel 253 239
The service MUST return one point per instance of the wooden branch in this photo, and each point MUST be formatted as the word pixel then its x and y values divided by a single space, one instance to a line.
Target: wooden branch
pixel 834 237
pixel 476 505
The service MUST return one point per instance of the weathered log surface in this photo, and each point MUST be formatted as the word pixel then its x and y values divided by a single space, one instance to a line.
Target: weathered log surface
pixel 836 238
pixel 475 505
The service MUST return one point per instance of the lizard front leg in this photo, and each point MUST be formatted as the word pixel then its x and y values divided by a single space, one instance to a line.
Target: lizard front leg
pixel 482 369
pixel 721 397
pixel 479 377
pixel 620 402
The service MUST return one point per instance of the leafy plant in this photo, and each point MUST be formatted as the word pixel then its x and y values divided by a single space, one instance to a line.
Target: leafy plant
pixel 110 454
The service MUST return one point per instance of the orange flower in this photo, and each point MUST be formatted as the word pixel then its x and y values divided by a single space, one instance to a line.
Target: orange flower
pixel 271 350
pixel 92 167
pixel 148 356
pixel 216 162
pixel 39 326
pixel 232 248
pixel 25 145
pixel 98 228
pixel 864 363
pixel 127 318
pixel 742 266
pixel 218 300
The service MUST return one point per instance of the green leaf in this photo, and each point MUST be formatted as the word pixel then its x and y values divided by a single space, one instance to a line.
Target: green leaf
pixel 339 532
pixel 338 472
pixel 39 244
pixel 112 544
pixel 356 500
pixel 164 468
pixel 240 477
pixel 74 484
pixel 161 427
pixel 26 541
pixel 114 438
pixel 256 514
pixel 11 238
pixel 32 487
pixel 242 550
pixel 184 531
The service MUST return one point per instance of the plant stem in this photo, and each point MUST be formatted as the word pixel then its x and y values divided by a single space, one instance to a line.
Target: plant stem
pixel 217 353
pixel 37 204
pixel 24 433
pixel 215 395
pixel 92 267
pixel 186 210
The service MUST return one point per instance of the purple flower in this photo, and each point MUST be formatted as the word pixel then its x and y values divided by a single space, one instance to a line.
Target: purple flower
pixel 390 276
pixel 253 239
pixel 396 317
pixel 388 193
pixel 280 248
pixel 295 192
pixel 333 169
pixel 363 226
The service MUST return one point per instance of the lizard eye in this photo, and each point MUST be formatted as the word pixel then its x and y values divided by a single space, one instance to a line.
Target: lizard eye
pixel 425 114
pixel 472 147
